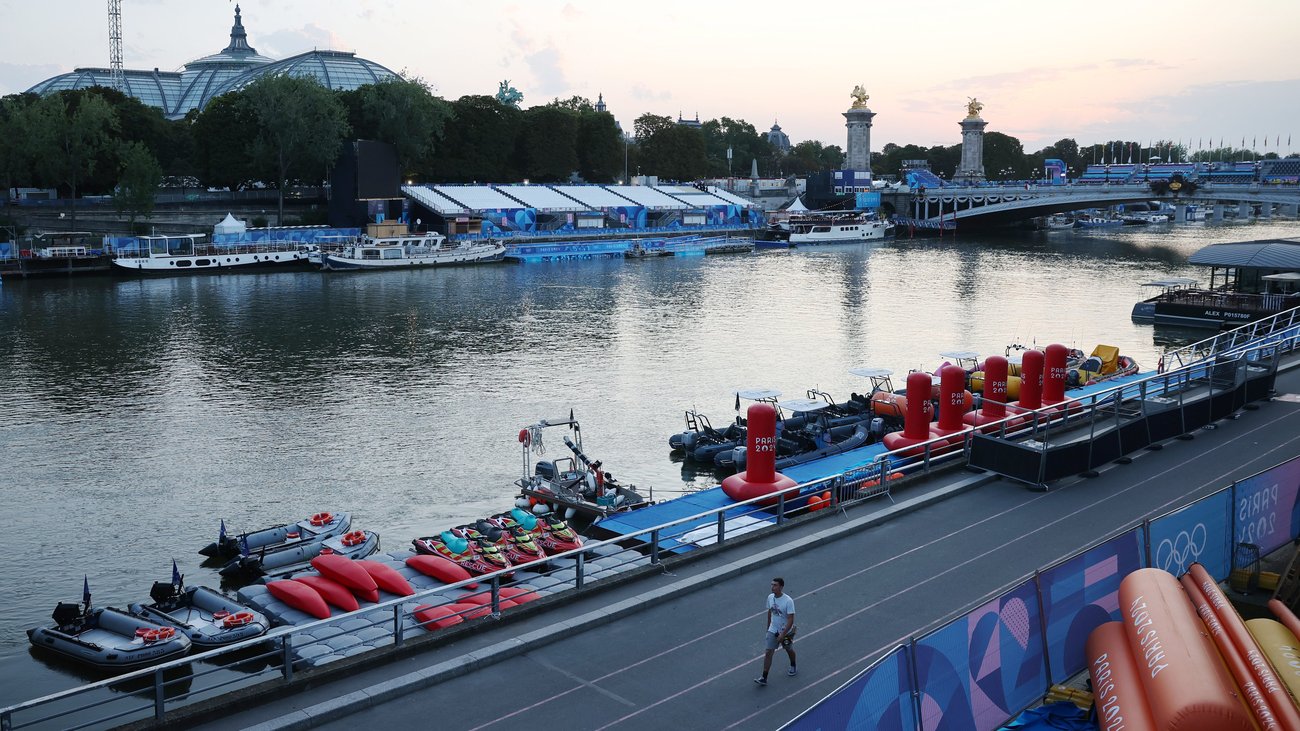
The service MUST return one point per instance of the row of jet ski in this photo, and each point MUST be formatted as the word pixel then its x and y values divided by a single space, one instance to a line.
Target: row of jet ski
pixel 501 541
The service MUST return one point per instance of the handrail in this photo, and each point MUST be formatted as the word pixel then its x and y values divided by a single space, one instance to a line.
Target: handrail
pixel 921 458
pixel 1231 340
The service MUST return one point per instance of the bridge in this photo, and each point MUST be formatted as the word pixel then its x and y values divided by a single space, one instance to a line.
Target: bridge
pixel 997 205
pixel 928 202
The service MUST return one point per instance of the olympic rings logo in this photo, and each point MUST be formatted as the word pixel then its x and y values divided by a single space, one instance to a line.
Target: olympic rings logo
pixel 1176 554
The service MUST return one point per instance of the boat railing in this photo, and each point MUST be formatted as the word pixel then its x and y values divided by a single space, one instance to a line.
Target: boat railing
pixel 1280 326
pixel 275 658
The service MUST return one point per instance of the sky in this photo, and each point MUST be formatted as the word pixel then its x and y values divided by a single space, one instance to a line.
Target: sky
pixel 1044 69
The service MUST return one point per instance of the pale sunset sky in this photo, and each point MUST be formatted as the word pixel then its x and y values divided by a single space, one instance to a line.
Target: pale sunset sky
pixel 1044 69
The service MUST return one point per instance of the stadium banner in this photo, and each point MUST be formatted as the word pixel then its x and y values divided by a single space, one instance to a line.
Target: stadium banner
pixel 1265 512
pixel 1081 593
pixel 1197 533
pixel 985 667
pixel 879 698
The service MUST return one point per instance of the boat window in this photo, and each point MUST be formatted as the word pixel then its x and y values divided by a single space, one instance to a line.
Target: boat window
pixel 370 253
pixel 182 262
pixel 821 229
pixel 202 262
pixel 392 253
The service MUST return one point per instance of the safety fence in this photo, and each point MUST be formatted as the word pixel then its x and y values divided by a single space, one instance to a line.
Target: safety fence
pixel 1277 327
pixel 152 692
pixel 1037 627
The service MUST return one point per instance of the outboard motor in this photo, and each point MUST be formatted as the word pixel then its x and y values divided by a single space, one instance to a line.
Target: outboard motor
pixel 67 614
pixel 877 427
pixel 164 593
pixel 545 469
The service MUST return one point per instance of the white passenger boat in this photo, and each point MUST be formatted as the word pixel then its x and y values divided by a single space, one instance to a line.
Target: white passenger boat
pixel 836 228
pixel 189 253
pixel 408 252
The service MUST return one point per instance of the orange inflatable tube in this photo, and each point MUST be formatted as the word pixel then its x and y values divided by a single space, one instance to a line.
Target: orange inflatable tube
pixel 1185 683
pixel 1281 648
pixel 1260 671
pixel 1253 692
pixel 1116 686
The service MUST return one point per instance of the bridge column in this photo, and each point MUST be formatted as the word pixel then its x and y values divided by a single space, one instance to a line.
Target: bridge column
pixel 1180 212
pixel 1266 210
pixel 1243 210
pixel 1292 210
pixel 1217 215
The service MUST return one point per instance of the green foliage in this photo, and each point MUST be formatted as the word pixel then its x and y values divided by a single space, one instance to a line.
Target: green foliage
pixel 300 127
pixel 68 133
pixel 138 183
pixel 745 142
pixel 223 134
pixel 548 144
pixel 15 145
pixel 403 113
pixel 600 147
pixel 479 142
pixel 1004 157
pixel 811 156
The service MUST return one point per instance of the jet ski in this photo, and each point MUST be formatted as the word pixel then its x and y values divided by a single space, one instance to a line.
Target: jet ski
pixel 551 532
pixel 477 556
pixel 518 544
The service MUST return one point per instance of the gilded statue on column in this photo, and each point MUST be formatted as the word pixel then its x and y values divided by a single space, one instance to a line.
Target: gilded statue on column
pixel 973 107
pixel 859 97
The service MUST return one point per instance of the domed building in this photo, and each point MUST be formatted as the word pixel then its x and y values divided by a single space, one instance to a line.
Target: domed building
pixel 177 93
pixel 779 140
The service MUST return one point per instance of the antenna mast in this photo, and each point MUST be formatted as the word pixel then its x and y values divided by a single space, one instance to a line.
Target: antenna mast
pixel 115 45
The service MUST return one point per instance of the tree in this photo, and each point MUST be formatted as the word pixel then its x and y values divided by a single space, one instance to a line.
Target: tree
pixel 403 113
pixel 15 142
pixel 548 144
pixel 223 134
pixel 740 136
pixel 811 156
pixel 479 142
pixel 300 127
pixel 138 183
pixel 69 134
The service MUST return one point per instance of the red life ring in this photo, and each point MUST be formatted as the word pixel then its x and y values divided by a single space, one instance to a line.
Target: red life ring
pixel 151 635
pixel 220 614
pixel 142 631
pixel 524 437
pixel 355 538
pixel 238 619
pixel 320 519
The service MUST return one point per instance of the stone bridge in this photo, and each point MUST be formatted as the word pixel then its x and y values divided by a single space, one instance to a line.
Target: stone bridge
pixel 992 205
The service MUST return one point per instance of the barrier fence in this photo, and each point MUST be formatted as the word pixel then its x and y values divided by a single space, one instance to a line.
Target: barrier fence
pixel 1037 627
pixel 1020 623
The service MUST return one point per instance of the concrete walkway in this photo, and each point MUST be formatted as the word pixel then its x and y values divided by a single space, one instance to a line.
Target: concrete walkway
pixel 679 650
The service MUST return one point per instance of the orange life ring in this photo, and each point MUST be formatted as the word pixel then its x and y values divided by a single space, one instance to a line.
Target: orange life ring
pixel 355 538
pixel 320 519
pixel 220 614
pixel 166 633
pixel 142 631
pixel 326 550
pixel 239 619
pixel 524 437
pixel 151 635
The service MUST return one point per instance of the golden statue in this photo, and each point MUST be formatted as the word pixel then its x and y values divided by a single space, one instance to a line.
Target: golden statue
pixel 973 108
pixel 859 97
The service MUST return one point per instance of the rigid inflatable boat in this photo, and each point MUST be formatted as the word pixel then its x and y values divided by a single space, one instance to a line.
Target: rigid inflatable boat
pixel 292 558
pixel 108 639
pixel 313 529
pixel 209 618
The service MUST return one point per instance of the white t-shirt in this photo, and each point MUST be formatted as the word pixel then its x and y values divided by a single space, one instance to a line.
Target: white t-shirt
pixel 782 607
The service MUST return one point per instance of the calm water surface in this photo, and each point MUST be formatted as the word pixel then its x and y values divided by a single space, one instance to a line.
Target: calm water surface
pixel 136 413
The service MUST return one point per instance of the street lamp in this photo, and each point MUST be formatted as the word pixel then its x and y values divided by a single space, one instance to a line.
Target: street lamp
pixel 625 180
pixel 728 163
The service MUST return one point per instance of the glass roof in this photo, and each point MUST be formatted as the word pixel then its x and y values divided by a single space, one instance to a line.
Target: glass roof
pixel 338 70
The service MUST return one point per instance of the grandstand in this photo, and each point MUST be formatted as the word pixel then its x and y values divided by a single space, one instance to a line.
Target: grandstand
pixel 510 211
pixel 1280 171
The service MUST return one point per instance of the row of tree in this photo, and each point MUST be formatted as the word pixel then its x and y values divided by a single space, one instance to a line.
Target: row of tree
pixel 283 130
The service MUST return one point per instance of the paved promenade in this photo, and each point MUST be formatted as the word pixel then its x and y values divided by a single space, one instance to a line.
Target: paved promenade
pixel 679 650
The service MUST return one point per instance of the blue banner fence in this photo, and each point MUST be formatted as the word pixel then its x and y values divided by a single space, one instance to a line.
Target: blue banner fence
pixel 992 662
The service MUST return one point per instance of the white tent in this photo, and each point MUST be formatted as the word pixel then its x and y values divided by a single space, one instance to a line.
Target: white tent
pixel 797 206
pixel 230 225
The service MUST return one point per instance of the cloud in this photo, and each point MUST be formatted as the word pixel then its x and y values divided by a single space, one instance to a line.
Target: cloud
pixel 19 77
pixel 570 12
pixel 548 71
pixel 642 93
pixel 290 42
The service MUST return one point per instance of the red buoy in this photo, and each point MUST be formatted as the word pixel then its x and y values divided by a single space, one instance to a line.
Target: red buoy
pixel 916 422
pixel 1031 381
pixel 995 393
pixel 1054 376
pixel 760 476
pixel 952 402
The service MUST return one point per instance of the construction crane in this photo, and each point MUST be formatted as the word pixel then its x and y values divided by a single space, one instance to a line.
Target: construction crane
pixel 115 45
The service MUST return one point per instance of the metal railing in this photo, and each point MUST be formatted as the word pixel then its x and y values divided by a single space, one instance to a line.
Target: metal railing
pixel 151 692
pixel 1277 326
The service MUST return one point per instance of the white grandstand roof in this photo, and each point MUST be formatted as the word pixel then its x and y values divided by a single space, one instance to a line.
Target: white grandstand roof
pixel 542 197
pixel 648 197
pixel 594 196
pixel 430 199
pixel 729 197
pixel 693 196
pixel 478 197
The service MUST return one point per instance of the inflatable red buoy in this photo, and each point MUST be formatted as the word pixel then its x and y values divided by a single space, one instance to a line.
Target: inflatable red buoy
pixel 1031 384
pixel 760 476
pixel 952 404
pixel 916 423
pixel 994 407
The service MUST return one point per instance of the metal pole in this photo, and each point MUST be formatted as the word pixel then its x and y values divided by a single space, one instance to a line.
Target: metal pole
pixel 397 626
pixel 286 643
pixel 654 546
pixel 578 569
pixel 158 706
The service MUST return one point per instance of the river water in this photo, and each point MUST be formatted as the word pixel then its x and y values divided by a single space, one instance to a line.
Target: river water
pixel 137 413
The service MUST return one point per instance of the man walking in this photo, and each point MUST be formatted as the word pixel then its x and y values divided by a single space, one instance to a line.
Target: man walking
pixel 780 628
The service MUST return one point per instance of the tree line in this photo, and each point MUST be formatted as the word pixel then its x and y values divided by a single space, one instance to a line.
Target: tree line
pixel 280 131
